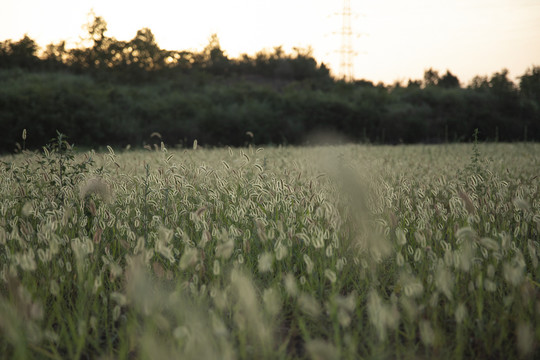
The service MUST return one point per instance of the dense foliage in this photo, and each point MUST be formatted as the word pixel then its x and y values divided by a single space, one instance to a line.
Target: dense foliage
pixel 353 252
pixel 108 91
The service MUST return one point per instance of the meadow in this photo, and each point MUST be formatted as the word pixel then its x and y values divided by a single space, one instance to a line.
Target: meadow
pixel 321 252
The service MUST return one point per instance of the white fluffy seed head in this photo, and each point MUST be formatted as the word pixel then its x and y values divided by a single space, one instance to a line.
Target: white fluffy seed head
pixel 444 280
pixel 96 186
pixel 265 262
pixel 309 264
pixel 290 285
pixel 489 244
pixel 522 204
pixel 400 237
pixel 465 233
pixel 330 275
pixel 513 273
pixel 321 350
pixel 272 301
pixel 525 338
pixel 189 258
pixel 460 313
pixel 27 209
pixel 309 305
pixel 426 333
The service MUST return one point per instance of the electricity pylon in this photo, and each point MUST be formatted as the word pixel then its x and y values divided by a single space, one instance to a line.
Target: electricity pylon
pixel 346 51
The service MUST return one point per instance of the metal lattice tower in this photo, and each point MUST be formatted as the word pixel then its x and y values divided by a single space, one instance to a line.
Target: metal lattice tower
pixel 346 51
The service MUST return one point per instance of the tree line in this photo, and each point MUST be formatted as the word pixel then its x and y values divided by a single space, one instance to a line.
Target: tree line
pixel 108 91
pixel 142 59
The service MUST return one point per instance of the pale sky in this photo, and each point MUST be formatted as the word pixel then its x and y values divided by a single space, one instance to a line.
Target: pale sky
pixel 396 39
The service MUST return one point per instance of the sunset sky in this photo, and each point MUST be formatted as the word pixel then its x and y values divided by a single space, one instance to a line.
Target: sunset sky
pixel 396 40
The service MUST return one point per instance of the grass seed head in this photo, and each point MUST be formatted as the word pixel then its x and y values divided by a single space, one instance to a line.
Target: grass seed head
pixel 95 186
pixel 309 305
pixel 330 275
pixel 427 335
pixel 189 258
pixel 444 280
pixel 272 301
pixel 290 285
pixel 318 349
pixel 522 204
pixel 525 338
pixel 265 262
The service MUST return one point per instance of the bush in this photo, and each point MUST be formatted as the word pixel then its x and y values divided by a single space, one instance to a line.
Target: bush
pixel 219 111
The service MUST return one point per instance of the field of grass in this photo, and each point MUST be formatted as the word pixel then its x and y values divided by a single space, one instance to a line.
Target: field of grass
pixel 353 252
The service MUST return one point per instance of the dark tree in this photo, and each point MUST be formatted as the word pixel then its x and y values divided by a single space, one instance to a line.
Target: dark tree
pixel 414 84
pixel 529 83
pixel 143 51
pixel 501 84
pixel 22 53
pixel 431 77
pixel 214 58
pixel 479 82
pixel 56 52
pixel 448 81
pixel 98 53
